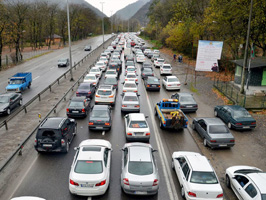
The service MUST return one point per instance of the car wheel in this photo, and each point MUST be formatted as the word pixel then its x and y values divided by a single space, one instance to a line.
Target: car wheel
pixel 173 165
pixel 161 125
pixel 75 131
pixel 20 102
pixel 205 142
pixel 155 112
pixel 8 111
pixel 183 192
pixel 215 113
pixel 227 181
pixel 193 126
pixel 67 147
pixel 29 86
pixel 229 125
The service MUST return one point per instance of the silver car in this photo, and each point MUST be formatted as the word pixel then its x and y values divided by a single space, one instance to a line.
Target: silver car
pixel 130 102
pixel 139 169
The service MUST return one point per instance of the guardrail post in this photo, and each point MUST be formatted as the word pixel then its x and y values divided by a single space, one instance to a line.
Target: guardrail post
pixel 6 124
pixel 64 97
pixel 65 75
pixel 25 109
pixel 54 109
pixel 39 95
pixel 50 88
pixel 58 81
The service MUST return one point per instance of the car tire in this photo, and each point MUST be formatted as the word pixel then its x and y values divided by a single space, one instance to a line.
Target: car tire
pixel 215 113
pixel 75 131
pixel 20 102
pixel 183 192
pixel 227 181
pixel 205 142
pixel 173 165
pixel 155 112
pixel 229 125
pixel 66 148
pixel 8 111
pixel 29 85
pixel 193 126
pixel 161 125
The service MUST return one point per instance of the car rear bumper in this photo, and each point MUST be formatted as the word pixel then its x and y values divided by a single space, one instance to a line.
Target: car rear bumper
pixel 243 127
pixel 76 115
pixel 137 138
pixel 99 127
pixel 152 191
pixel 189 109
pixel 87 191
pixel 172 87
pixel 153 88
pixel 123 109
pixel 39 149
pixel 221 145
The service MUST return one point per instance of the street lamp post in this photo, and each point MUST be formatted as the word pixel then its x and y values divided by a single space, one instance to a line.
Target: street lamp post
pixel 69 42
pixel 102 23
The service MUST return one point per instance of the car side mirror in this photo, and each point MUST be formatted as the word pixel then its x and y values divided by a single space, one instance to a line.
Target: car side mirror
pixel 110 149
pixel 146 116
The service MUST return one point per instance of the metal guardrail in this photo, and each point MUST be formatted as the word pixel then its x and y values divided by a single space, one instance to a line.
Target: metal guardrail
pixel 20 147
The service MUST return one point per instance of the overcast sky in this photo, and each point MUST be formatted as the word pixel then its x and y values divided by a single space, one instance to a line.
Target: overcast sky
pixel 110 5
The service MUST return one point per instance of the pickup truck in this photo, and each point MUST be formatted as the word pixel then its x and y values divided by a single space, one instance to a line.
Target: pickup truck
pixel 19 82
pixel 170 115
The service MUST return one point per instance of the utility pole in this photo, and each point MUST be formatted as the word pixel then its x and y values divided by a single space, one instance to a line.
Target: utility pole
pixel 69 44
pixel 242 90
pixel 102 23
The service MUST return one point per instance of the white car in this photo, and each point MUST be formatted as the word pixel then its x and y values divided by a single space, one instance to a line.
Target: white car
pixel 110 48
pixel 135 48
pixel 130 69
pixel 166 69
pixel 158 62
pixel 91 78
pixel 105 94
pixel 90 170
pixel 101 65
pixel 111 73
pixel 196 176
pixel 105 55
pixel 96 71
pixel 130 86
pixel 156 51
pixel 104 59
pixel 27 198
pixel 171 83
pixel 247 182
pixel 141 59
pixel 131 76
pixel 137 127
pixel 146 51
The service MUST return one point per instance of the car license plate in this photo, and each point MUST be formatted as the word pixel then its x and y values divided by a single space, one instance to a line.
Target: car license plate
pixel 75 111
pixel 47 145
pixel 246 127
pixel 154 85
pixel 99 127
pixel 140 192
pixel 189 106
pixel 223 145
pixel 86 185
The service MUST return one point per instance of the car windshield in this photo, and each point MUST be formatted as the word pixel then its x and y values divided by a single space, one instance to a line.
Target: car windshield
pixel 99 114
pixel 263 197
pixel 173 80
pixel 203 178
pixel 4 99
pixel 147 70
pixel 138 124
pixel 187 99
pixel 15 82
pixel 130 85
pixel 87 78
pixel 104 92
pixel 218 129
pixel 94 70
pixel 130 98
pixel 111 72
pixel 84 87
pixel 88 167
pixel 110 81
pixel 140 168
pixel 153 80
pixel 241 113
pixel 76 104
pixel 167 67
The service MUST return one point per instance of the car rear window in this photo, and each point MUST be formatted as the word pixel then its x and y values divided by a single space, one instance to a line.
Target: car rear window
pixel 187 99
pixel 110 81
pixel 218 129
pixel 88 167
pixel 84 87
pixel 131 76
pixel 153 80
pixel 263 197
pixel 130 98
pixel 111 72
pixel 203 177
pixel 173 80
pixel 131 69
pixel 241 113
pixel 48 133
pixel 99 114
pixel 76 104
pixel 159 60
pixel 94 70
pixel 140 168
pixel 138 124
pixel 104 92
pixel 167 67
pixel 130 85
pixel 147 70
pixel 87 78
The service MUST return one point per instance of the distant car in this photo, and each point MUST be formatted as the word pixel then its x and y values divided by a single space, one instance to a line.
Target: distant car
pixel 110 48
pixel 100 118
pixel 166 69
pixel 64 62
pixel 105 94
pixel 140 175
pixel 90 169
pixel 78 107
pixel 130 69
pixel 130 63
pixel 86 89
pixel 9 101
pixel 186 101
pixel 146 51
pixel 101 65
pixel 111 81
pixel 155 56
pixel 104 59
pixel 130 102
pixel 146 65
pixel 236 117
pixel 105 55
pixel 152 83
pixel 145 72
pixel 130 57
pixel 96 71
pixel 116 54
pixel 159 62
pixel 171 83
pixel 214 132
pixel 130 86
pixel 131 76
pixel 91 78
pixel 108 52
pixel 87 48
pixel 55 134
pixel 156 51
pixel 247 182
pixel 196 176
pixel 111 73
pixel 150 54
pixel 137 127
pixel 114 66
pixel 140 59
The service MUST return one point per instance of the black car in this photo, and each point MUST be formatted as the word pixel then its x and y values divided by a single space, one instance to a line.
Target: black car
pixel 186 101
pixel 87 48
pixel 78 107
pixel 9 101
pixel 86 89
pixel 149 55
pixel 152 83
pixel 55 134
pixel 111 81
pixel 63 62
pixel 145 72
pixel 116 66
pixel 100 118
pixel 147 65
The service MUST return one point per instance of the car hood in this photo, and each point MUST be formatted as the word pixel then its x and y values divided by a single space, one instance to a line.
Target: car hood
pixel 12 86
pixel 3 106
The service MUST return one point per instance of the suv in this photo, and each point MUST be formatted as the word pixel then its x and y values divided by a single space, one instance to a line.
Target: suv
pixel 9 101
pixel 55 134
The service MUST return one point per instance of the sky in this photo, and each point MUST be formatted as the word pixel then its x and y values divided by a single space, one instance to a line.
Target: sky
pixel 110 5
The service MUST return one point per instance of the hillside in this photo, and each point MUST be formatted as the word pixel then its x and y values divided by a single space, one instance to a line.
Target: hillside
pixel 141 14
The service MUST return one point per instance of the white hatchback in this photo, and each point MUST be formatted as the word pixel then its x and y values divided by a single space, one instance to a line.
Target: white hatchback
pixel 130 86
pixel 105 94
pixel 196 176
pixel 91 78
pixel 171 83
pixel 90 170
pixel 166 69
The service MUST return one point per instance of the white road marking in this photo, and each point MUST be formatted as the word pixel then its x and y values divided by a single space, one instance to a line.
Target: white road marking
pixel 103 133
pixel 166 169
pixel 51 67
pixel 89 198
pixel 36 78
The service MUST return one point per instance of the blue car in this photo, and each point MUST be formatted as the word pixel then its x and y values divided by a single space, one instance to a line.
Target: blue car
pixel 236 117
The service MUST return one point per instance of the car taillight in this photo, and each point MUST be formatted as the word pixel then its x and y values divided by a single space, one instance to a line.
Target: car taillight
pixel 129 133
pixel 136 79
pixel 101 183
pixel 90 123
pixel 192 194
pixel 89 92
pixel 67 109
pixel 83 110
pixel 97 95
pixel 77 92
pixel 220 195
pixel 126 79
pixel 148 85
pixel 111 96
pixel 239 124
pixel 124 106
pixel 135 91
pixel 182 106
pixel 213 141
pixel 115 85
pixel 195 106
pixel 107 124
pixel 73 183
pixel 159 86
pixel 178 84
pixel 35 142
pixel 253 123
pixel 152 74
pixel 169 85
pixel 94 83
pixel 143 74
pixel 124 90
pixel 63 142
pixel 155 182
pixel 148 133
pixel 136 106
pixel 126 181
pixel 232 140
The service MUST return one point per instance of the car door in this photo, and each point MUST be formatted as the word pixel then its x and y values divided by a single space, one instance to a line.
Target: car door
pixel 124 162
pixel 180 161
pixel 164 81
pixel 201 128
pixel 106 159
pixel 86 104
pixel 239 182
pixel 185 175
pixel 126 123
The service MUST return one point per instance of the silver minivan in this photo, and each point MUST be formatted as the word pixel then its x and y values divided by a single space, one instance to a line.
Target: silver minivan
pixel 139 169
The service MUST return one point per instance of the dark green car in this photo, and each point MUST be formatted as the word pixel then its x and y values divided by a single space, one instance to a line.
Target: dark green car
pixel 236 117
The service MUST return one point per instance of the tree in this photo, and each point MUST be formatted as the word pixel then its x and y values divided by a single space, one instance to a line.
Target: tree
pixel 3 24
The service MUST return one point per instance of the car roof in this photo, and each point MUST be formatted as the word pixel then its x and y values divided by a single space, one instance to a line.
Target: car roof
pixel 139 153
pixel 130 94
pixel 52 122
pixel 91 155
pixel 100 107
pixel 199 163
pixel 213 121
pixel 105 87
pixel 137 116
pixel 171 77
pixel 82 98
pixel 259 179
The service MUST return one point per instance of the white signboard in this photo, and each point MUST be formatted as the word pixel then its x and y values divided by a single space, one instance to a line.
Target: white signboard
pixel 209 52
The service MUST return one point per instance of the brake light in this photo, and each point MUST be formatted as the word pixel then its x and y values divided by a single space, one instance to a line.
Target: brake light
pixel 137 106
pixel 111 96
pixel 143 74
pixel 148 133
pixel 253 123
pixel 89 92
pixel 169 85
pixel 232 140
pixel 129 133
pixel 126 181
pixel 124 90
pixel 152 74
pixel 213 141
pixel 220 195
pixel 97 95
pixel 192 194
pixel 90 123
pixel 239 124
pixel 77 92
pixel 107 124
pixel 67 109
pixel 101 183
pixel 73 183
pixel 148 85
pixel 136 79
pixel 155 182
pixel 124 106
pixel 63 142
pixel 83 110
pixel 94 83
pixel 135 91
pixel 35 142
